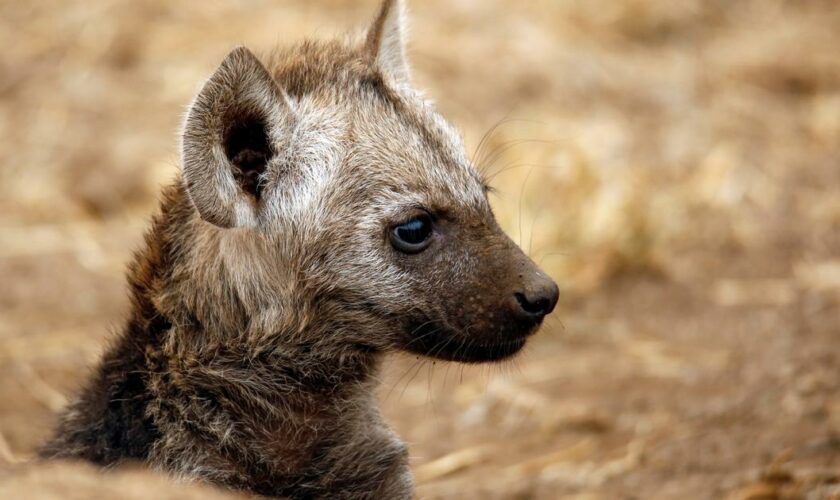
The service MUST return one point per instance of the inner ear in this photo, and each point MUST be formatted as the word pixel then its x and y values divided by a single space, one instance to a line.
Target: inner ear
pixel 247 147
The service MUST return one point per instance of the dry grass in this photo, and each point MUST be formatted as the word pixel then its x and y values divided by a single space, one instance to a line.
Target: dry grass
pixel 674 164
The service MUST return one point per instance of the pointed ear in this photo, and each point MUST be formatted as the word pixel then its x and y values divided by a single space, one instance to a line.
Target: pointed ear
pixel 386 39
pixel 230 137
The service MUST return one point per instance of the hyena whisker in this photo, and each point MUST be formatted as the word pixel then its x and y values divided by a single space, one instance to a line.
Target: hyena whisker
pixel 422 362
pixel 416 340
pixel 534 221
pixel 516 165
pixel 506 146
pixel 399 380
pixel 478 157
pixel 486 136
pixel 553 254
pixel 494 155
pixel 429 376
pixel 521 200
pixel 537 215
pixel 556 324
pixel 489 133
pixel 455 356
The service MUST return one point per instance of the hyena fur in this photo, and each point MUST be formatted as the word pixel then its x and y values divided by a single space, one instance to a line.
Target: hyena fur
pixel 325 215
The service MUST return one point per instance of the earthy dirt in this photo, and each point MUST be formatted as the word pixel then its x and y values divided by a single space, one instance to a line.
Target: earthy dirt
pixel 675 165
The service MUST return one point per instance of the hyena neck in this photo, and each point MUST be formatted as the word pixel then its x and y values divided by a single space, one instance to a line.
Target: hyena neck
pixel 192 392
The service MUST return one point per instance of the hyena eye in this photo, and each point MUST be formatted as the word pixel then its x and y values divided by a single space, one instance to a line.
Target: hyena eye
pixel 414 235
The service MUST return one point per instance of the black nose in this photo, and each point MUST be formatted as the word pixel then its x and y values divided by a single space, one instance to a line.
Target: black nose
pixel 538 303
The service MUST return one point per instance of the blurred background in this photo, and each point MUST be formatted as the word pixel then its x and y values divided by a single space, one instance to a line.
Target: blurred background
pixel 674 165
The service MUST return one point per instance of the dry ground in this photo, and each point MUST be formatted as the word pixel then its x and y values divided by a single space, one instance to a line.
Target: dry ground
pixel 675 165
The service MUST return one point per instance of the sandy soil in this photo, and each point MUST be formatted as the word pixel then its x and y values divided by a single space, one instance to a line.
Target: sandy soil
pixel 675 165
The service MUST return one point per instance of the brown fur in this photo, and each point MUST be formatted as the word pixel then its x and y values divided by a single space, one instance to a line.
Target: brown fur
pixel 267 290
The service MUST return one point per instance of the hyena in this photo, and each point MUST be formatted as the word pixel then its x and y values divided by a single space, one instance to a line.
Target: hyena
pixel 325 215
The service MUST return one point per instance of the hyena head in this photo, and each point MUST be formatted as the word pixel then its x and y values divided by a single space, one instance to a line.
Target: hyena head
pixel 353 204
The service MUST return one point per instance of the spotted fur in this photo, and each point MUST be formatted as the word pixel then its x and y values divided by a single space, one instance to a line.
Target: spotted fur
pixel 267 290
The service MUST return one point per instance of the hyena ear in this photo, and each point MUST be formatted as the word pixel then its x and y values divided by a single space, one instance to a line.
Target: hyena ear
pixel 231 135
pixel 386 39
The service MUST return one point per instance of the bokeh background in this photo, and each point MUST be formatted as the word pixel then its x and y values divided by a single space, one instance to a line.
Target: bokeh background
pixel 674 164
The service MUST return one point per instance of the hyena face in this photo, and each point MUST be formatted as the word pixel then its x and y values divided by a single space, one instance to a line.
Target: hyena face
pixel 363 197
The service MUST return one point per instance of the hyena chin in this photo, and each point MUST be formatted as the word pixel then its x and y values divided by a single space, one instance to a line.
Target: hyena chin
pixel 325 215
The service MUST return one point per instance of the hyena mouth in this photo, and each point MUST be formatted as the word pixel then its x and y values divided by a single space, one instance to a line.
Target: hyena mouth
pixel 436 340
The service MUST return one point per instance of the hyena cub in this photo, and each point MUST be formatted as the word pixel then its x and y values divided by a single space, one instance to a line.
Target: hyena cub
pixel 325 215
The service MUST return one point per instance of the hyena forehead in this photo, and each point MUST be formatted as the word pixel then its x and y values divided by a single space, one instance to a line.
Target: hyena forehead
pixel 415 155
pixel 392 141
